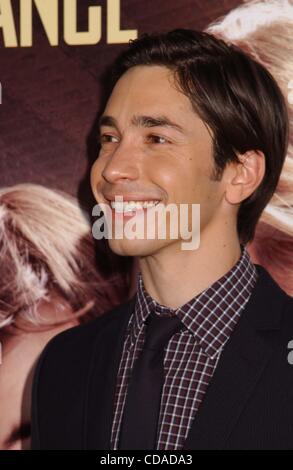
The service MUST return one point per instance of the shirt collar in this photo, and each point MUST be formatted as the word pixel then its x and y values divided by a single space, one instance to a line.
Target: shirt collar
pixel 211 315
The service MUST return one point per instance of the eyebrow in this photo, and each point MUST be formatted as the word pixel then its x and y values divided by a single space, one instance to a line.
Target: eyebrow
pixel 142 121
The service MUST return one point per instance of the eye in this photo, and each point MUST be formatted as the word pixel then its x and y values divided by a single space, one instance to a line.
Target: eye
pixel 107 138
pixel 159 139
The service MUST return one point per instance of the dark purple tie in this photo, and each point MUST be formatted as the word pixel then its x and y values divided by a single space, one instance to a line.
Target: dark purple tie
pixel 142 405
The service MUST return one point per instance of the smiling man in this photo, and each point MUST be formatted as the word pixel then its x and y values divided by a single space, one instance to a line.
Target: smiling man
pixel 198 358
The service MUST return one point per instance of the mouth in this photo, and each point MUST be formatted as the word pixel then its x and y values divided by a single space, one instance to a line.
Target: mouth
pixel 132 207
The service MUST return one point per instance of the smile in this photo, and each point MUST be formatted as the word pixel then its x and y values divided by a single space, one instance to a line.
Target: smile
pixel 131 206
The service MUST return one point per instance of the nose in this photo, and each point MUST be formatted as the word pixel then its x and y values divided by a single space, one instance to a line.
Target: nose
pixel 121 165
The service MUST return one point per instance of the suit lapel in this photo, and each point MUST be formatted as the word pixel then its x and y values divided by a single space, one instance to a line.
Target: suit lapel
pixel 240 366
pixel 102 380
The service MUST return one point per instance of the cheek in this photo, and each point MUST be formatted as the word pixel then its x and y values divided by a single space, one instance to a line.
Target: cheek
pixel 197 179
pixel 169 171
pixel 190 181
pixel 166 178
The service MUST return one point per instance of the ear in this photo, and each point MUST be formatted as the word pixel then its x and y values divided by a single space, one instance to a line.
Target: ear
pixel 244 176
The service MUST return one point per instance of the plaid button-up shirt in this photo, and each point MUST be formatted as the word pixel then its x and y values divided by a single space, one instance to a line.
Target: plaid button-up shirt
pixel 191 355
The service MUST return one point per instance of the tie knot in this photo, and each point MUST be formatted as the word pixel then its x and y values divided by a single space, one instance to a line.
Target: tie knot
pixel 159 330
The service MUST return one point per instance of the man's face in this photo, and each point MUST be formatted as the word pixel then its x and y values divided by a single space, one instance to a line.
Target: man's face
pixel 145 159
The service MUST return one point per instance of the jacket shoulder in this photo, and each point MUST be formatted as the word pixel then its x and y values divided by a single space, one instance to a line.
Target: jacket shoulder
pixel 83 336
pixel 61 376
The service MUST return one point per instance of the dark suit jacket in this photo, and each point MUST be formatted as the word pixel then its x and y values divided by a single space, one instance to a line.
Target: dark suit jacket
pixel 248 405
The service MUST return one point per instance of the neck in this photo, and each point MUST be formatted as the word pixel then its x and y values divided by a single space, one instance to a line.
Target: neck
pixel 173 276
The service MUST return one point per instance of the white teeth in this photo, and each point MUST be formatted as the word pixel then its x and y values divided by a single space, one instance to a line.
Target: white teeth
pixel 130 206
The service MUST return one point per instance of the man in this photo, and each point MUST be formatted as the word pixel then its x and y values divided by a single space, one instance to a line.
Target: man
pixel 199 358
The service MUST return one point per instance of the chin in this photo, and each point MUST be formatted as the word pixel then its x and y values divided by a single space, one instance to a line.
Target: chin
pixel 139 248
